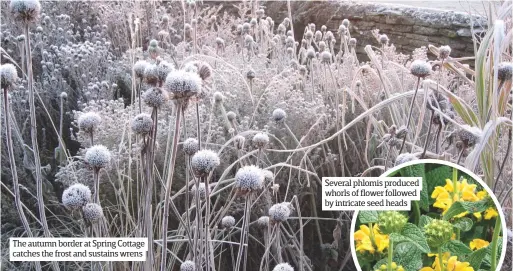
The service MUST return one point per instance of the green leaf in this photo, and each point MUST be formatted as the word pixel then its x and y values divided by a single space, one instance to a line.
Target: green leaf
pixel 456 248
pixel 424 220
pixel 464 224
pixel 411 234
pixel 408 255
pixel 465 206
pixel 418 171
pixel 367 217
pixel 476 258
pixel 436 174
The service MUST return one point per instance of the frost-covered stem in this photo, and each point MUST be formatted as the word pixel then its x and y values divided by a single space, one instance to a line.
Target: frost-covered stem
pixel 168 186
pixel 409 115
pixel 33 134
pixel 437 138
pixel 61 120
pixel 207 224
pixel 96 178
pixel 197 236
pixel 139 92
pixel 244 233
pixel 428 134
pixel 198 128
pixel 278 243
pixel 14 171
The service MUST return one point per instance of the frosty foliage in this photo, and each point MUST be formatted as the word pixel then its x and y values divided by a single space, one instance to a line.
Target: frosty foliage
pixel 279 212
pixel 97 156
pixel 8 75
pixel 142 124
pixel 76 196
pixel 92 212
pixel 249 179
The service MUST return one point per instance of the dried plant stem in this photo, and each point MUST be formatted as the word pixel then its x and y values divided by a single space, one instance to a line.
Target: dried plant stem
pixel 244 233
pixel 14 172
pixel 428 134
pixel 437 139
pixel 409 115
pixel 169 183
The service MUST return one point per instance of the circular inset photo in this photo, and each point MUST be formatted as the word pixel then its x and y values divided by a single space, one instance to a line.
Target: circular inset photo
pixel 457 225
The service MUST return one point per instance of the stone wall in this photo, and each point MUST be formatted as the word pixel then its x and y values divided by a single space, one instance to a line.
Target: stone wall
pixel 407 27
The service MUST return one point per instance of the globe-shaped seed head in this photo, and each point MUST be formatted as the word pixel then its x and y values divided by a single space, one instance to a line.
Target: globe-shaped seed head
pixel 163 69
pixel 188 266
pixel 190 146
pixel 352 42
pixel 26 11
pixel 151 74
pixel 263 221
pixel 231 116
pixel 249 179
pixel 89 121
pixel 139 68
pixel 405 157
pixel 444 51
pixel 204 161
pixel 260 140
pixel 279 115
pixel 228 222
pixel 92 212
pixel 279 212
pixel 76 196
pixel 391 222
pixel 8 75
pixel 420 68
pixel 326 57
pixel 142 124
pixel 345 22
pixel 504 71
pixel 283 267
pixel 155 97
pixel 438 232
pixel 97 156
pixel 182 84
pixel 383 39
pixel 218 97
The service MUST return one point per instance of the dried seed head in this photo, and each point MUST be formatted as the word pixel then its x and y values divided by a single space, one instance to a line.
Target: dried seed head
pixel 326 57
pixel 218 97
pixel 151 74
pixel 352 42
pixel 97 156
pixel 283 267
pixel 309 35
pixel 324 28
pixel 469 135
pixel 310 53
pixel 401 132
pixel 279 212
pixel 318 35
pixel 26 11
pixel 249 179
pixel 204 161
pixel 279 115
pixel 504 71
pixel 63 95
pixel 268 176
pixel 438 232
pixel 139 68
pixel 228 221
pixel 420 68
pixel 345 22
pixel 92 212
pixel 188 266
pixel 89 121
pixel 76 196
pixel 358 83
pixel 261 140
pixel 231 115
pixel 251 74
pixel 8 75
pixel 220 42
pixel 444 51
pixel 239 140
pixel 190 146
pixel 263 221
pixel 182 84
pixel 142 124
pixel 404 157
pixel 163 69
pixel 383 39
pixel 342 29
pixel 155 97
pixel 391 222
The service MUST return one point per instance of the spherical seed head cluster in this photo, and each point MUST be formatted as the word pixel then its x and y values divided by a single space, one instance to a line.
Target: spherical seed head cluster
pixel 504 71
pixel 279 115
pixel 190 146
pixel 8 75
pixel 352 42
pixel 249 179
pixel 97 156
pixel 142 124
pixel 76 196
pixel 383 39
pixel 420 68
pixel 326 57
pixel 279 212
pixel 218 97
pixel 405 157
pixel 231 116
pixel 438 232
pixel 163 69
pixel 139 68
pixel 268 176
pixel 188 266
pixel 261 140
pixel 263 221
pixel 251 74
pixel 151 74
pixel 92 212
pixel 283 267
pixel 204 161
pixel 391 221
pixel 228 221
pixel 89 121
pixel 182 84
pixel 155 97
pixel 25 10
pixel 444 51
pixel 345 22
pixel 63 95
pixel 469 135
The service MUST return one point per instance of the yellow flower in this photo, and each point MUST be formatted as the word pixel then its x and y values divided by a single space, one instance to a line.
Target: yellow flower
pixel 490 213
pixel 445 196
pixel 454 265
pixel 478 244
pixel 365 241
